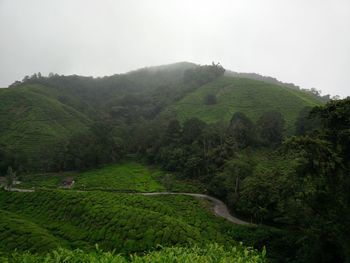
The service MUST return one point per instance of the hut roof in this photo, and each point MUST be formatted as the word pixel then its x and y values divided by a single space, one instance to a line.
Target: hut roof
pixel 68 180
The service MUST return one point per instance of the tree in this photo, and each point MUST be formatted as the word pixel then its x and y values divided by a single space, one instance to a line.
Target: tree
pixel 192 130
pixel 306 123
pixel 315 91
pixel 203 74
pixel 10 178
pixel 227 184
pixel 323 194
pixel 210 99
pixel 270 128
pixel 335 121
pixel 173 132
pixel 242 130
pixel 6 159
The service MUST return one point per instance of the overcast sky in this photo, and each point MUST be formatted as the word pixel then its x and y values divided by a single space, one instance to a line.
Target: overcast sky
pixel 306 42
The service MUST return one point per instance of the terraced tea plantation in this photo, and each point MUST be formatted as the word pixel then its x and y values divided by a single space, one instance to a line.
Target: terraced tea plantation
pixel 242 95
pixel 128 222
pixel 125 222
pixel 127 176
pixel 123 177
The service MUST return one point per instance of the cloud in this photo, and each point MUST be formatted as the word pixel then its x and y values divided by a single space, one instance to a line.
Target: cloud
pixel 305 42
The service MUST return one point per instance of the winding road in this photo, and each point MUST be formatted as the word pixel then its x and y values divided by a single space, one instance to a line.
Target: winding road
pixel 220 209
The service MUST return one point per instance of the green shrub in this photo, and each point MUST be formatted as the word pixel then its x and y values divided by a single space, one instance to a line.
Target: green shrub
pixel 212 253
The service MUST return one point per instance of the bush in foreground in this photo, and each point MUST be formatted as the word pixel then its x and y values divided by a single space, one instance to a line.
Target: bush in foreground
pixel 211 253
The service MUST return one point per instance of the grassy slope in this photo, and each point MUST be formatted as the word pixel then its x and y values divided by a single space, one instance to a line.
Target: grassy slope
pixel 127 223
pixel 30 119
pixel 251 97
pixel 126 176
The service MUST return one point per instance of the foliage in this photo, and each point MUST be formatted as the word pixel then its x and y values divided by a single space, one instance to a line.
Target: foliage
pixel 10 177
pixel 242 130
pixel 270 128
pixel 47 122
pixel 304 187
pixel 227 184
pixel 209 254
pixel 98 146
pixel 233 148
pixel 305 123
pixel 203 74
pixel 210 99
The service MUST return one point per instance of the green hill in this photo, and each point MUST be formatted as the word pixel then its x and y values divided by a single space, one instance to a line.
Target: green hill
pixel 41 111
pixel 251 97
pixel 31 120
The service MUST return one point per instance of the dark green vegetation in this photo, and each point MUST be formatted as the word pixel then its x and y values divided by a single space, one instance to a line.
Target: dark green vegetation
pixel 302 186
pixel 208 254
pixel 31 120
pixel 275 154
pixel 18 232
pixel 70 122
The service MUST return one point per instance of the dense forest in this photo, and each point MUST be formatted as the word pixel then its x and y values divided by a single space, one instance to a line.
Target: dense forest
pixel 281 163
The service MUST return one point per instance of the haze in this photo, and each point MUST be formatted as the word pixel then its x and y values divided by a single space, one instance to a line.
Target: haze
pixel 304 42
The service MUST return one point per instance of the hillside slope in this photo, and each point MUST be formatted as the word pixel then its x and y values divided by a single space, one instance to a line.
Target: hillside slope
pixel 31 120
pixel 40 111
pixel 127 223
pixel 249 96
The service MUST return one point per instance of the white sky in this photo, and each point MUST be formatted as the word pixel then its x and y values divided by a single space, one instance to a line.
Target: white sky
pixel 306 42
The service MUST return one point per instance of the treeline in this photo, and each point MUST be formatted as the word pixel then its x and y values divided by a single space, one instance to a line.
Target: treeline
pixel 196 149
pixel 116 105
pixel 101 144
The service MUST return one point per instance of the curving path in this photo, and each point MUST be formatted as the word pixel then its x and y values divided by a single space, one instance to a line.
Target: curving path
pixel 220 209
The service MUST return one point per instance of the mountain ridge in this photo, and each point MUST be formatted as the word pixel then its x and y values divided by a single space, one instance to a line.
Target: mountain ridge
pixel 70 104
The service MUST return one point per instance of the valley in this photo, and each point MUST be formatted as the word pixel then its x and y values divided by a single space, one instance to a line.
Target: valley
pixel 180 160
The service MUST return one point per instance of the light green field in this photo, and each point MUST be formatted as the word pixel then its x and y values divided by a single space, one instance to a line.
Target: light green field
pixel 243 95
pixel 129 176
pixel 122 177
pixel 49 180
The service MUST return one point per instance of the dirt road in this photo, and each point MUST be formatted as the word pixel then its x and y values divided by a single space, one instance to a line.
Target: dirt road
pixel 220 209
